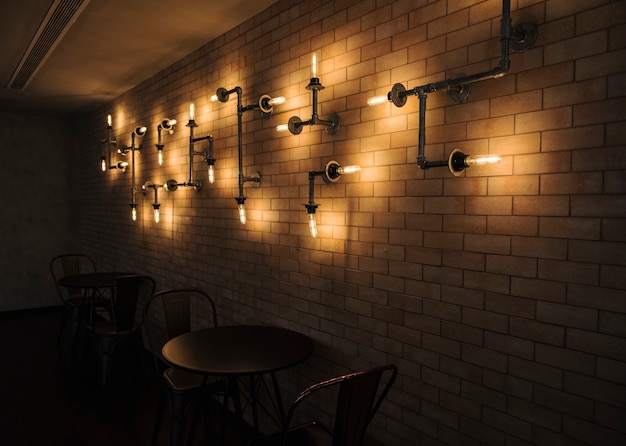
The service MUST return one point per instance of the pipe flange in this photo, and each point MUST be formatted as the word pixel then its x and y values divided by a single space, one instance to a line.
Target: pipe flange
pixel 528 36
pixel 264 105
pixel 222 94
pixel 171 185
pixel 397 95
pixel 331 172
pixel 144 188
pixel 294 126
pixel 460 93
pixel 456 162
pixel 332 128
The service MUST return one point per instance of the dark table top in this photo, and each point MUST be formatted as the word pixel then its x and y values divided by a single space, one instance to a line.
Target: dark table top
pixel 238 350
pixel 90 280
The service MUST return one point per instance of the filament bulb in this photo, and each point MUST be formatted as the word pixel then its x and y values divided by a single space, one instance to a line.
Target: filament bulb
pixel 160 157
pixel 156 215
pixel 242 213
pixel 211 174
pixel 103 164
pixel 282 127
pixel 312 225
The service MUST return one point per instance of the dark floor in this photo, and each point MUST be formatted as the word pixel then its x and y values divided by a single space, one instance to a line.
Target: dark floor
pixel 45 399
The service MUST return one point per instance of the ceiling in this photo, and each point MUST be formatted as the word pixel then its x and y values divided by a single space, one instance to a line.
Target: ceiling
pixel 104 48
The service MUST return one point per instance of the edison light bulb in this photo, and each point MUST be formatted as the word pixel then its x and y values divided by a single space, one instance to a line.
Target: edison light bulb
pixel 349 169
pixel 482 159
pixel 160 157
pixel 156 215
pixel 103 164
pixel 277 101
pixel 211 174
pixel 192 112
pixel 312 225
pixel 282 127
pixel 134 213
pixel 314 65
pixel 242 213
pixel 377 100
pixel 109 120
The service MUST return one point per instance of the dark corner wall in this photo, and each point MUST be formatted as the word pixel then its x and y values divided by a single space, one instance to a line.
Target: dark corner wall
pixel 500 294
pixel 39 216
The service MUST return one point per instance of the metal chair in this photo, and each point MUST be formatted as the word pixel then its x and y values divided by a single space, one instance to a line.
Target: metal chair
pixel 126 293
pixel 168 314
pixel 358 398
pixel 63 266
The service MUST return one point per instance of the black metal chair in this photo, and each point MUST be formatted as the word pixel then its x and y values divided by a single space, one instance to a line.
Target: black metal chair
pixel 72 298
pixel 168 314
pixel 123 325
pixel 358 398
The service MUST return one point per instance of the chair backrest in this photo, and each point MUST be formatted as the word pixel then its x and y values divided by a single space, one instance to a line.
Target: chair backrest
pixel 127 292
pixel 170 313
pixel 65 265
pixel 359 396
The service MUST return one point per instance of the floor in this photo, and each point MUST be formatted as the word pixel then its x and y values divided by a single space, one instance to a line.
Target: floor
pixel 48 400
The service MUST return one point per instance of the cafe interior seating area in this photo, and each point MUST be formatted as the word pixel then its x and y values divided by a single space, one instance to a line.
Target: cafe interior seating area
pixel 118 376
pixel 237 222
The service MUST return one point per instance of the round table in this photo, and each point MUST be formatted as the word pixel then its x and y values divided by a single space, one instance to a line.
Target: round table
pixel 89 283
pixel 240 350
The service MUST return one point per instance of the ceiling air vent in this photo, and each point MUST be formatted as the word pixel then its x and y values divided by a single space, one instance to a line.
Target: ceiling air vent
pixel 61 15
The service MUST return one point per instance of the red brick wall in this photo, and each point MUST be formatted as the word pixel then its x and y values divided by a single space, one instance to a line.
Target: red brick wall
pixel 499 294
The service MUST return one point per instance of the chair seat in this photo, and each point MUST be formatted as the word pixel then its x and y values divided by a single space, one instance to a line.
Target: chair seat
pixel 109 328
pixel 309 434
pixel 182 381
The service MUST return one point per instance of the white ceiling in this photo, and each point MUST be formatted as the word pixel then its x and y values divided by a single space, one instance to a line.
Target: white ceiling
pixel 112 46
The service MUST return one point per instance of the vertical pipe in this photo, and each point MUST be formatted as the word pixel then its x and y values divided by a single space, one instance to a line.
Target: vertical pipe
pixel 240 140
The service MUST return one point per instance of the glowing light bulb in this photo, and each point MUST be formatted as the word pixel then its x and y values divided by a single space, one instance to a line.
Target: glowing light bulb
pixel 277 101
pixel 133 213
pixel 482 159
pixel 377 100
pixel 103 164
pixel 282 127
pixel 349 169
pixel 160 157
pixel 156 215
pixel 312 225
pixel 211 174
pixel 214 98
pixel 192 112
pixel 242 213
pixel 314 65
pixel 109 120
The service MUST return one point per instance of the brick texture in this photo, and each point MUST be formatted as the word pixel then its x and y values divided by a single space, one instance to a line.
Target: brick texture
pixel 499 293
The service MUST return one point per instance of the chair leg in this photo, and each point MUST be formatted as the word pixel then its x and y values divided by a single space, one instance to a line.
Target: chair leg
pixel 159 417
pixel 178 406
pixel 62 329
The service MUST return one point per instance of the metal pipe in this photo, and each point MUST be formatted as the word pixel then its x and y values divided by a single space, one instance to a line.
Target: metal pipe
pixel 447 84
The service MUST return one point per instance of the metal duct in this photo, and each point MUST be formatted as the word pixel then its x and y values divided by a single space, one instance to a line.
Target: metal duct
pixel 61 15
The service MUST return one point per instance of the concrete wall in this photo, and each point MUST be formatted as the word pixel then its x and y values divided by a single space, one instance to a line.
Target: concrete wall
pixel 499 294
pixel 39 206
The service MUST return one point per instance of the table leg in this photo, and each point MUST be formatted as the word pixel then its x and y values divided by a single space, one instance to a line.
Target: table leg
pixel 279 400
pixel 254 398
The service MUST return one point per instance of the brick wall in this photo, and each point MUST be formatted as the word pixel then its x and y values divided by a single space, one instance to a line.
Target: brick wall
pixel 499 293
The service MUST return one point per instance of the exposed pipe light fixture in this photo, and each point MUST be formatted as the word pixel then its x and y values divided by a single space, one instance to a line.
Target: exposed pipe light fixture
pixel 330 174
pixel 519 38
pixel 266 105
pixel 139 132
pixel 296 124
pixel 167 125
pixel 105 153
pixel 207 155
